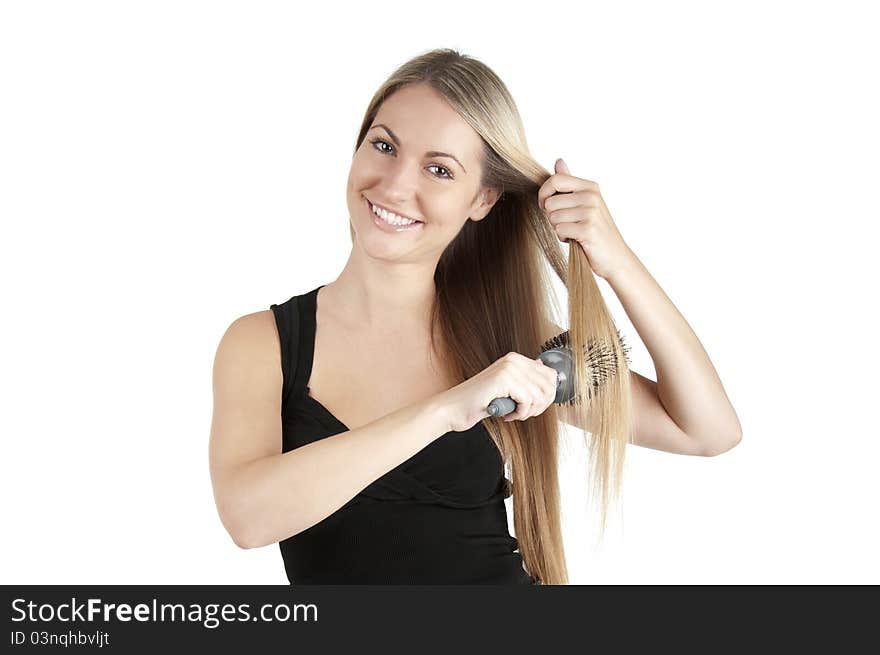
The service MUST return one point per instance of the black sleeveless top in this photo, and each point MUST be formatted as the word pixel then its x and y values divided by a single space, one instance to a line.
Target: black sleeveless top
pixel 437 518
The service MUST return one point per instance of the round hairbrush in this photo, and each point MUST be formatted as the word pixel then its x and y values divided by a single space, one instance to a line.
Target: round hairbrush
pixel 556 353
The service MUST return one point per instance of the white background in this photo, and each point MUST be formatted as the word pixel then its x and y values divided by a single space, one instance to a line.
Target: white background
pixel 166 167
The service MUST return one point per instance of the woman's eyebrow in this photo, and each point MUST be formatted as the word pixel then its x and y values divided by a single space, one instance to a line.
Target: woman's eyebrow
pixel 430 153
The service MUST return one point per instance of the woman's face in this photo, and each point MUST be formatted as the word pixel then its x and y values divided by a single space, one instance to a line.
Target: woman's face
pixel 424 164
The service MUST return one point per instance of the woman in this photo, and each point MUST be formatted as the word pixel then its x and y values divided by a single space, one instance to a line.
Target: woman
pixel 350 421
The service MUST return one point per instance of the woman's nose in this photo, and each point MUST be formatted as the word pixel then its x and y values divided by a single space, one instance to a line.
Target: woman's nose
pixel 401 179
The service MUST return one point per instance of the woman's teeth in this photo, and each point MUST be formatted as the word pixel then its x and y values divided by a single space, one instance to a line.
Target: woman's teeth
pixel 390 218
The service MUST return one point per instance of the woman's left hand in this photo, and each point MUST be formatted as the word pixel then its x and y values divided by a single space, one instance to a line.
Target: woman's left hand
pixel 579 213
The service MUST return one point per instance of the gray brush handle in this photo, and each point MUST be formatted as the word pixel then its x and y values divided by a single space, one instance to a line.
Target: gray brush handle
pixel 501 407
pixel 556 358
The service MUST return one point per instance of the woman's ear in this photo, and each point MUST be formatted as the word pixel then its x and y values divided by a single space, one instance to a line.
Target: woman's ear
pixel 486 199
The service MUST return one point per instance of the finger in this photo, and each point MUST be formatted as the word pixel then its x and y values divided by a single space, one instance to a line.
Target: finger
pixel 523 408
pixel 549 381
pixel 528 408
pixel 571 215
pixel 551 393
pixel 561 183
pixel 539 392
pixel 518 379
pixel 582 198
pixel 554 384
pixel 549 385
pixel 565 231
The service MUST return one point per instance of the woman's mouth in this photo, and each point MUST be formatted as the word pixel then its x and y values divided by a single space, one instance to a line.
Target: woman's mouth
pixel 388 222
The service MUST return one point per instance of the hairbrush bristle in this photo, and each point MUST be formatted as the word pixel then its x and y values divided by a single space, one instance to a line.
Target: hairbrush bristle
pixel 601 361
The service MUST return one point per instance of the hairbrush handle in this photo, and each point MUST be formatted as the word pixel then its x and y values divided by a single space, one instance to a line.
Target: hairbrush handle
pixel 501 407
pixel 557 358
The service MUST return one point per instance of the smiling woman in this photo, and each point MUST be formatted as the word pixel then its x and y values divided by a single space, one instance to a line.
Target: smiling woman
pixel 396 475
pixel 412 164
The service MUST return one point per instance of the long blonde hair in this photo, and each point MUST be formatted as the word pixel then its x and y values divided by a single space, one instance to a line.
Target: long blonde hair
pixel 494 295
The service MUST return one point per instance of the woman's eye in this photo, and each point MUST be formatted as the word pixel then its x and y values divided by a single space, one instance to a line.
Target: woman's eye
pixel 377 142
pixel 446 172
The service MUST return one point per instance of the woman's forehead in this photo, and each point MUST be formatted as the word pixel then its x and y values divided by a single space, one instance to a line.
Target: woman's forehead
pixel 422 119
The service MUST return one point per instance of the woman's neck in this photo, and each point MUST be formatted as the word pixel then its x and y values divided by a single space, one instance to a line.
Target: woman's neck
pixel 378 295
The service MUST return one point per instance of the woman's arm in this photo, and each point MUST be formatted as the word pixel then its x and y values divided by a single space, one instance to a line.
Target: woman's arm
pixel 264 495
pixel 281 495
pixel 687 383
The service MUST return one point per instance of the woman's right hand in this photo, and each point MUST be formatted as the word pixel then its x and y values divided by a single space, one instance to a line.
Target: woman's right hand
pixel 529 382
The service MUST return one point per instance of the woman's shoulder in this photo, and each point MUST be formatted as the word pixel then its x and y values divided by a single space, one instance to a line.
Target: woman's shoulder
pixel 259 334
pixel 251 337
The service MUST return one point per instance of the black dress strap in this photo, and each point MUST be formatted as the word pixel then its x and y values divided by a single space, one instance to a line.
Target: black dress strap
pixel 295 320
pixel 287 322
pixel 308 303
